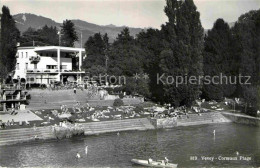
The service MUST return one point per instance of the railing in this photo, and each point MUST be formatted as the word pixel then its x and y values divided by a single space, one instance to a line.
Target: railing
pixel 15 97
pixel 42 70
pixel 9 86
pixel 49 70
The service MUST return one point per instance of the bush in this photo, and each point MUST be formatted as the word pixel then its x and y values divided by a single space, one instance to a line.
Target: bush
pixel 28 96
pixel 139 108
pixel 27 102
pixel 121 95
pixel 118 102
pixel 62 132
pixel 118 89
pixel 109 90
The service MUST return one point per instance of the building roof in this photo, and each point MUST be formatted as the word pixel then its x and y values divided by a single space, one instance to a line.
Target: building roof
pixel 53 48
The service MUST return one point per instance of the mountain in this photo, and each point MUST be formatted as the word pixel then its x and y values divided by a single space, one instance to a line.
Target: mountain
pixel 26 20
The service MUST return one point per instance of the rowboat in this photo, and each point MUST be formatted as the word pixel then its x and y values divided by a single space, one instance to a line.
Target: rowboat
pixel 154 163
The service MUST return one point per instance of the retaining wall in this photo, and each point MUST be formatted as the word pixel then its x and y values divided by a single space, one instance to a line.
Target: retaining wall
pixel 242 119
pixel 13 136
pixel 190 119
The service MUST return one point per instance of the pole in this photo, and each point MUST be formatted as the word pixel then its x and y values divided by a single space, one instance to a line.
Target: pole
pixel 59 39
pixel 81 39
pixel 106 61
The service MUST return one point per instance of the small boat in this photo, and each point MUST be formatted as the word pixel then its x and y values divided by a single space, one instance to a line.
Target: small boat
pixel 154 163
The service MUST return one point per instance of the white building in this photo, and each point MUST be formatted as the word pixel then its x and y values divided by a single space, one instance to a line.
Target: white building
pixel 49 64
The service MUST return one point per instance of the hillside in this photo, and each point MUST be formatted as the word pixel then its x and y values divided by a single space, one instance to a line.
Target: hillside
pixel 26 20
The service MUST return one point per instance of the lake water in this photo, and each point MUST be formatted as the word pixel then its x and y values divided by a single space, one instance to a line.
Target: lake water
pixel 109 150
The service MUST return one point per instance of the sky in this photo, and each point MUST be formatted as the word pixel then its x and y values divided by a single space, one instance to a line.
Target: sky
pixel 132 13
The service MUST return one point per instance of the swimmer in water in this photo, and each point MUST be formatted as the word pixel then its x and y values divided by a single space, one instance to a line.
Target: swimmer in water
pixel 86 150
pixel 78 155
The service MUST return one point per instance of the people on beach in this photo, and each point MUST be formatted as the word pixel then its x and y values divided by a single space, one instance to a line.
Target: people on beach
pixel 75 90
pixel 13 111
pixel 150 161
pixel 166 160
pixel 12 122
pixel 8 123
pixel 214 132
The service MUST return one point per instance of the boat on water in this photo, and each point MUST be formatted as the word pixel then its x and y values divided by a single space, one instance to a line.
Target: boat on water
pixel 152 163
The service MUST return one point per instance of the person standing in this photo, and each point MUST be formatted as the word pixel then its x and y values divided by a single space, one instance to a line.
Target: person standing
pixel 75 91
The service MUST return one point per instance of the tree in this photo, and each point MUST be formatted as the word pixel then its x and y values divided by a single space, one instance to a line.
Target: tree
pixel 96 48
pixel 68 34
pixel 9 38
pixel 182 54
pixel 126 56
pixel 151 43
pixel 219 59
pixel 247 32
pixel 49 35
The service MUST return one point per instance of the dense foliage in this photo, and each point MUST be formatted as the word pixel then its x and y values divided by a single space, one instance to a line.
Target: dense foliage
pixel 235 52
pixel 8 43
pixel 96 49
pixel 247 32
pixel 45 36
pixel 178 49
pixel 219 59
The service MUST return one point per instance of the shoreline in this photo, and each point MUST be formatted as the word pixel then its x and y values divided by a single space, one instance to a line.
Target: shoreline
pixel 21 135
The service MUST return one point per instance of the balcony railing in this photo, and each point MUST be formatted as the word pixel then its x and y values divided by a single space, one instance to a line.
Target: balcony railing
pixel 10 86
pixel 42 70
pixel 15 97
pixel 49 70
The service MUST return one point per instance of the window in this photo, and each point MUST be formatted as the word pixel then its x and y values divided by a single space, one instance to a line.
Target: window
pixel 63 66
pixel 26 65
pixel 17 66
pixel 51 66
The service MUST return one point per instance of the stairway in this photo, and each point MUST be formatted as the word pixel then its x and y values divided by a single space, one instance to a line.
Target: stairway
pixel 204 118
pixel 117 126
pixel 13 136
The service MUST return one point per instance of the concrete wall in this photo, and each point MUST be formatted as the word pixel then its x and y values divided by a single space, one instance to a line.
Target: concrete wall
pixel 164 122
pixel 190 119
pixel 243 119
pixel 13 136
